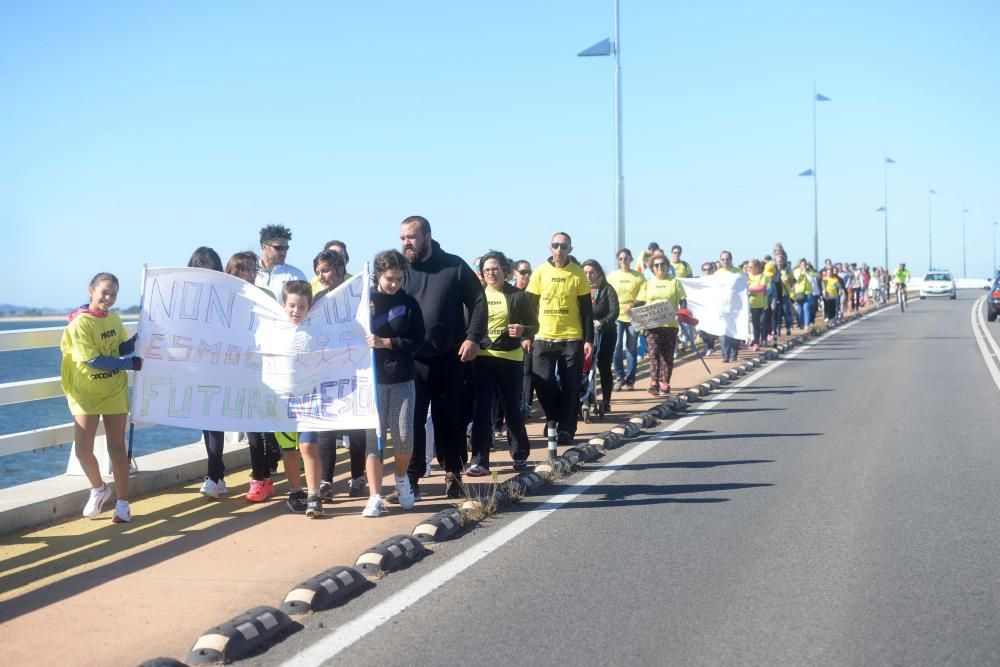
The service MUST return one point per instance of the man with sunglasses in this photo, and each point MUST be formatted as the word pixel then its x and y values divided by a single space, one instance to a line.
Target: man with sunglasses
pixel 272 272
pixel 627 283
pixel 561 291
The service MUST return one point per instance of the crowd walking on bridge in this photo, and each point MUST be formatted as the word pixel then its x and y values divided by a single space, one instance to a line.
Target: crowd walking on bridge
pixel 461 350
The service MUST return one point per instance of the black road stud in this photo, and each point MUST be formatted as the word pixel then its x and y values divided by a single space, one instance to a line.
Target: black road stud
pixel 163 662
pixel 242 635
pixel 326 590
pixel 390 555
pixel 442 526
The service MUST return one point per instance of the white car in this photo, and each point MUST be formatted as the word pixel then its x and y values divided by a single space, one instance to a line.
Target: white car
pixel 937 284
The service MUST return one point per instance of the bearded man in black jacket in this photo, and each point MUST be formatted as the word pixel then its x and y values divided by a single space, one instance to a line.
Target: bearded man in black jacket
pixel 453 304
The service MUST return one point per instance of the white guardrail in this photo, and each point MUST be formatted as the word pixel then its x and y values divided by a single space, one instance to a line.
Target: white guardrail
pixel 34 390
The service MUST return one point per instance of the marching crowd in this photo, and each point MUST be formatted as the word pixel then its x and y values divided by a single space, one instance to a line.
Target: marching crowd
pixel 461 347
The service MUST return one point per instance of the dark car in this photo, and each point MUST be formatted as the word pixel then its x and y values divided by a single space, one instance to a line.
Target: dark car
pixel 993 301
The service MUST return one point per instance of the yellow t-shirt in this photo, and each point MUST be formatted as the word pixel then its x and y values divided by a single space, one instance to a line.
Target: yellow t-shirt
pixel 682 269
pixel 627 284
pixel 802 284
pixel 832 286
pixel 558 290
pixel 758 299
pixel 90 391
pixel 657 289
pixel 497 319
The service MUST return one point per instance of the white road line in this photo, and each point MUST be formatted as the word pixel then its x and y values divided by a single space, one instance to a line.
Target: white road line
pixel 983 338
pixel 351 632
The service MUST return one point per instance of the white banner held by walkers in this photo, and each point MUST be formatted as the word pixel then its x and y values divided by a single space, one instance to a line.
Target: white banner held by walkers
pixel 720 303
pixel 219 354
pixel 656 314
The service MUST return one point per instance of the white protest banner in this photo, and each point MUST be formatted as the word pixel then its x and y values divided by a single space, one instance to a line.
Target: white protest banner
pixel 720 303
pixel 656 314
pixel 219 354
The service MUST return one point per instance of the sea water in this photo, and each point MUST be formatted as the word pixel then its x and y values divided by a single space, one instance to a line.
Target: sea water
pixel 19 365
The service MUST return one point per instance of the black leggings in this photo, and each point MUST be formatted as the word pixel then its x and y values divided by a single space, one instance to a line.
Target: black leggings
pixel 262 446
pixel 756 318
pixel 214 440
pixel 605 354
pixel 328 452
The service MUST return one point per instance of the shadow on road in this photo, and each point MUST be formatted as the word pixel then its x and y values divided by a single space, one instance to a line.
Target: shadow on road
pixel 649 494
pixel 687 464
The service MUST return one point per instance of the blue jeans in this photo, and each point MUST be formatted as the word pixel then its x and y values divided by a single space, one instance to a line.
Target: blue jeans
pixel 804 313
pixel 730 347
pixel 625 348
pixel 783 308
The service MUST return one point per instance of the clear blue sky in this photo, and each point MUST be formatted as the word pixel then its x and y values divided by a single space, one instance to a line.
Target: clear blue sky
pixel 133 132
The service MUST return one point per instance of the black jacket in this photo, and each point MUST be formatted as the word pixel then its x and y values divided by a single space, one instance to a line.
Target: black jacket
pixel 396 317
pixel 519 311
pixel 445 287
pixel 606 306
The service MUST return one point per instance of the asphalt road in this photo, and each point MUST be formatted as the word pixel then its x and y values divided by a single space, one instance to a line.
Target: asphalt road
pixel 839 509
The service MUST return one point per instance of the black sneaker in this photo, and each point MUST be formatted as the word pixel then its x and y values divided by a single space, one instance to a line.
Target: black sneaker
pixel 453 487
pixel 297 501
pixel 326 491
pixel 314 506
pixel 356 488
pixel 520 465
pixel 564 438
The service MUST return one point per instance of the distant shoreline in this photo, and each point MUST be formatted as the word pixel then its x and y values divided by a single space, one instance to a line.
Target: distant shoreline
pixel 53 318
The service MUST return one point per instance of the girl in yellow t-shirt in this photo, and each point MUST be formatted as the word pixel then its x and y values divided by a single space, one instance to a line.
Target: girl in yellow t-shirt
pixel 757 287
pixel 94 360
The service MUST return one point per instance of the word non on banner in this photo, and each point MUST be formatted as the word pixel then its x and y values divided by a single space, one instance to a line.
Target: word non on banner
pixel 652 315
pixel 219 354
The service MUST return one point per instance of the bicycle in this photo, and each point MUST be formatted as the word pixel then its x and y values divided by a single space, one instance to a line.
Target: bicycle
pixel 901 296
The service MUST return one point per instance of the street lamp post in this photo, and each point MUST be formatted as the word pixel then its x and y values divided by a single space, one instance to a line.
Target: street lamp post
pixel 993 269
pixel 884 209
pixel 930 238
pixel 604 48
pixel 964 272
pixel 817 97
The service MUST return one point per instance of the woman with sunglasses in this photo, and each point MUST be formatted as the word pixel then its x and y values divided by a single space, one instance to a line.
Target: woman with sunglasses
pixel 661 340
pixel 497 370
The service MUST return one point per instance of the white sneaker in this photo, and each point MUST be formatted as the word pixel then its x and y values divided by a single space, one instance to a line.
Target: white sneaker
pixel 213 489
pixel 375 507
pixel 406 497
pixel 427 470
pixel 95 504
pixel 123 513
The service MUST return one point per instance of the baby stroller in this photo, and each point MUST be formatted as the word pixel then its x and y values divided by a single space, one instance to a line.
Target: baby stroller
pixel 588 386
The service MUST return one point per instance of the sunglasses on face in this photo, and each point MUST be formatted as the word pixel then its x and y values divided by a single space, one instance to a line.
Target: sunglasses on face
pixel 659 265
pixel 524 272
pixel 279 248
pixel 560 246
